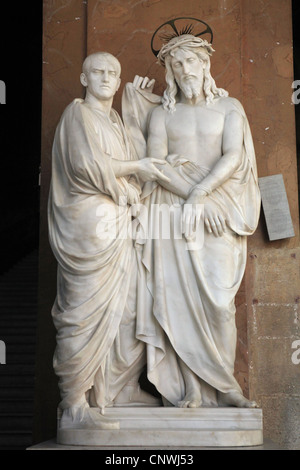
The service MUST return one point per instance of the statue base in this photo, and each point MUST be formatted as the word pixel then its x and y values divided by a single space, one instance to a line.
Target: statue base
pixel 180 427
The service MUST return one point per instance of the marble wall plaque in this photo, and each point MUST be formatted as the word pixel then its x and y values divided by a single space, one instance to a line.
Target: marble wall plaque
pixel 276 207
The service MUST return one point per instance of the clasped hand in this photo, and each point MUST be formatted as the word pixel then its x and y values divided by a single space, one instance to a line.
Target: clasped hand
pixel 196 205
pixel 148 171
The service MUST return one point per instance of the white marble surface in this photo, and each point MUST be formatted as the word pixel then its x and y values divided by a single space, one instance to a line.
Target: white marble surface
pixel 124 303
pixel 95 179
pixel 187 418
pixel 148 427
pixel 191 273
pixel 51 444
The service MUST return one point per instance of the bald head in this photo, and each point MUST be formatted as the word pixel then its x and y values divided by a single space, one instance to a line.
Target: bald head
pixel 98 56
pixel 101 78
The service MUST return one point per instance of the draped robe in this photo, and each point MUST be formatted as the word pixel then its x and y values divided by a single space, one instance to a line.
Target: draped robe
pixel 186 305
pixel 94 311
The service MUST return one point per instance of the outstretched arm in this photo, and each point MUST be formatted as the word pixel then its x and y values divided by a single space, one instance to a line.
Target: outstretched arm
pixel 146 168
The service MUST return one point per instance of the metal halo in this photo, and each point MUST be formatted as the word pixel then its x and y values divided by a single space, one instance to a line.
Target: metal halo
pixel 207 30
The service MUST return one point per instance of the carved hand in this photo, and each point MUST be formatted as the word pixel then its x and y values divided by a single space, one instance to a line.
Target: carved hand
pixel 214 219
pixel 143 83
pixel 147 171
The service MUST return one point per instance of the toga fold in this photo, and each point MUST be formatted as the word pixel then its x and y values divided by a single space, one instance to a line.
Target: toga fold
pixel 94 311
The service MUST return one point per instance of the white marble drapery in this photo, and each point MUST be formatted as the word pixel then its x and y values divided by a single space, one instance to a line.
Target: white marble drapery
pixel 186 297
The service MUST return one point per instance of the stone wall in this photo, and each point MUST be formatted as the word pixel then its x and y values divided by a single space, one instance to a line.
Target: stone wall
pixel 254 62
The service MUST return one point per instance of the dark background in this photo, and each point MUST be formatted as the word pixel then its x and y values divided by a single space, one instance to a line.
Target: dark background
pixel 20 124
pixel 20 155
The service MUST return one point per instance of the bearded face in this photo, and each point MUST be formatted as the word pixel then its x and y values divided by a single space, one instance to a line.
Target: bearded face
pixel 188 70
pixel 191 88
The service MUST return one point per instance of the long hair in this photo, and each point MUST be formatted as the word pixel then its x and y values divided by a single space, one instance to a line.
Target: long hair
pixel 209 85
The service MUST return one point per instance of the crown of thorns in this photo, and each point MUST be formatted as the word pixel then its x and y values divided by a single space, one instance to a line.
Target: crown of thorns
pixel 198 29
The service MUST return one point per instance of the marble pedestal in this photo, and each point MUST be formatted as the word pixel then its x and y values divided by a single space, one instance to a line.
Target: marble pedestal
pixel 213 427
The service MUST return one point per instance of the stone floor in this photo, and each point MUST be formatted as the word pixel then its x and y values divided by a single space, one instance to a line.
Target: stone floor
pixel 18 313
pixel 52 445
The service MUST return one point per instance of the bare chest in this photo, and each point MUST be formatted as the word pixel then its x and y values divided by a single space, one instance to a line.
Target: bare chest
pixel 195 123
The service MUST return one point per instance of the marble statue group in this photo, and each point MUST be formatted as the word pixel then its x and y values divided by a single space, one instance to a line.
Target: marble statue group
pixel 148 221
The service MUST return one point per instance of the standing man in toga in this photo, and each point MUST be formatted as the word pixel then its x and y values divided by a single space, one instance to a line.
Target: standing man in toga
pixel 95 179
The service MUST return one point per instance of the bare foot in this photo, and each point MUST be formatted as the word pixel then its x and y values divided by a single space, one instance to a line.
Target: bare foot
pixel 133 395
pixel 192 397
pixel 236 399
pixel 84 417
pixel 191 400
